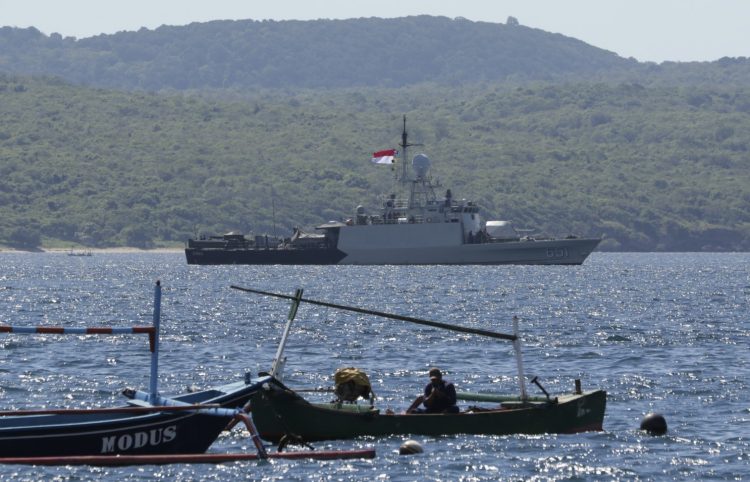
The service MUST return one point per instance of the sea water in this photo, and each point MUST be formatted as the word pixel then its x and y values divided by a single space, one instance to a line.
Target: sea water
pixel 666 333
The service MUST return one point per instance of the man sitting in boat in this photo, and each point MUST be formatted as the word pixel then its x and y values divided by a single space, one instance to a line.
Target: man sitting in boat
pixel 439 396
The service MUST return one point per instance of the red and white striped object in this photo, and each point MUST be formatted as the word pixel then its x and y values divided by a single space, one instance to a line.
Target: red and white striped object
pixel 72 330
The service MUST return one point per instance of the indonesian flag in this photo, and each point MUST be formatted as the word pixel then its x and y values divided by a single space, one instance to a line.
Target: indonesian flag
pixel 384 157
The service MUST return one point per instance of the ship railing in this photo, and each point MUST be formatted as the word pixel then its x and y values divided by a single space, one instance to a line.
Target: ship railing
pixel 381 220
pixel 411 219
pixel 397 203
pixel 305 245
pixel 502 240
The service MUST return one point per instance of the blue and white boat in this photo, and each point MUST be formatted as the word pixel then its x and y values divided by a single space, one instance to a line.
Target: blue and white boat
pixel 149 425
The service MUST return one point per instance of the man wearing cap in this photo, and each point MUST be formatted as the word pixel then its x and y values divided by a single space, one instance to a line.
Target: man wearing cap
pixel 439 396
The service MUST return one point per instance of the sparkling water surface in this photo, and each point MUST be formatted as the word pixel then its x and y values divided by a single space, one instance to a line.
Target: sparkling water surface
pixel 659 332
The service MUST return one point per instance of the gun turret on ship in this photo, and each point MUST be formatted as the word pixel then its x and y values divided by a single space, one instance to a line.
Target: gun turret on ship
pixel 420 228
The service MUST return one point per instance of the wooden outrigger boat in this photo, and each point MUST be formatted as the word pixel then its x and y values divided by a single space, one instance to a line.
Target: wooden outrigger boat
pixel 151 430
pixel 280 413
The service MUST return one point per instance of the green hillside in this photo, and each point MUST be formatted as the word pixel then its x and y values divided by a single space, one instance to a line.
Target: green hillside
pixel 353 53
pixel 308 54
pixel 651 168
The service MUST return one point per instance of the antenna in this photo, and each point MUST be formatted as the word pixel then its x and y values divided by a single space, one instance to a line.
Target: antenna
pixel 404 145
pixel 273 210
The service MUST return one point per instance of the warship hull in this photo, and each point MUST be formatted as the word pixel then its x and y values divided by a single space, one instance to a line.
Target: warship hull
pixel 366 250
pixel 209 256
pixel 558 252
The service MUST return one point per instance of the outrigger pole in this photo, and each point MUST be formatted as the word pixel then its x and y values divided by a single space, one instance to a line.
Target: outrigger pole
pixel 123 460
pixel 410 319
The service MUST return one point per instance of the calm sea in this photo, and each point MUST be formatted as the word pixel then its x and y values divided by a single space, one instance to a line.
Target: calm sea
pixel 668 333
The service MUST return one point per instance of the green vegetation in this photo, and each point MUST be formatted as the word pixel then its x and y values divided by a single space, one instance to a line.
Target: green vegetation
pixel 364 52
pixel 312 54
pixel 651 167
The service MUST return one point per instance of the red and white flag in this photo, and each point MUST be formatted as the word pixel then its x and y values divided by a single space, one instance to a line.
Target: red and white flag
pixel 384 157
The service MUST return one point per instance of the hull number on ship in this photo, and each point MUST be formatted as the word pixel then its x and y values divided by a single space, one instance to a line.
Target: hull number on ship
pixel 557 252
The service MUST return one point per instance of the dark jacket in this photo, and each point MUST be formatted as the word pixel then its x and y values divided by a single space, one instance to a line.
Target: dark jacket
pixel 443 402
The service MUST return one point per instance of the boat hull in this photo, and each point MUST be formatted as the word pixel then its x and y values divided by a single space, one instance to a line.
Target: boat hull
pixel 111 435
pixel 79 434
pixel 539 252
pixel 279 411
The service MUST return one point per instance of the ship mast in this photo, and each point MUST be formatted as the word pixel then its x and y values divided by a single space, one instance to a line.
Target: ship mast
pixel 404 145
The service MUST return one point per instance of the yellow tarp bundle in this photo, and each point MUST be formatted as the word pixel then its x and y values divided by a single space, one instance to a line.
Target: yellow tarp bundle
pixel 352 383
pixel 351 374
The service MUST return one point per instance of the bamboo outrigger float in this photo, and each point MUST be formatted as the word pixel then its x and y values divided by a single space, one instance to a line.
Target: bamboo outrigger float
pixel 280 413
pixel 151 430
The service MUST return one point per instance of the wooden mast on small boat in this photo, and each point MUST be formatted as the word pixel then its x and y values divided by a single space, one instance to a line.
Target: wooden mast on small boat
pixel 277 369
pixel 154 381
pixel 519 360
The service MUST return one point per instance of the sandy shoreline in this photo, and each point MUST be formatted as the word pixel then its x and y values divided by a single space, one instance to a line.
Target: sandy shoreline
pixel 94 250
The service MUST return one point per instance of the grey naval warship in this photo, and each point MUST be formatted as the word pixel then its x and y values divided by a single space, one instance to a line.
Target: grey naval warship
pixel 420 228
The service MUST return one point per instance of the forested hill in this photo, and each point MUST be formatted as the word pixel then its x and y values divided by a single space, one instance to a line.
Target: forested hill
pixel 650 168
pixel 308 54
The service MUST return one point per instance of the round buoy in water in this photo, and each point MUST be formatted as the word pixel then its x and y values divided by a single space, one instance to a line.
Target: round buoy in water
pixel 410 447
pixel 654 424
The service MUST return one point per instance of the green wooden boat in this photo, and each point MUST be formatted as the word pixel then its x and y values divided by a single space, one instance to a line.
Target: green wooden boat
pixel 283 415
pixel 279 411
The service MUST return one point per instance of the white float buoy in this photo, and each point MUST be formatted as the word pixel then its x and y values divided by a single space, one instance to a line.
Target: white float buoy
pixel 410 447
